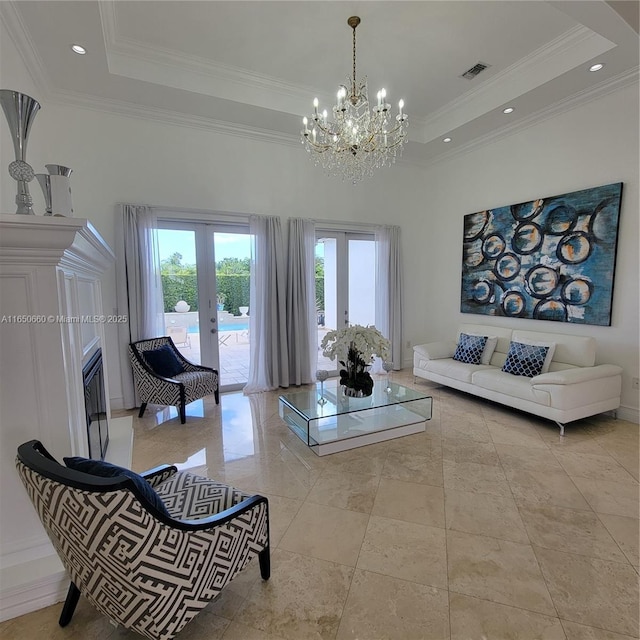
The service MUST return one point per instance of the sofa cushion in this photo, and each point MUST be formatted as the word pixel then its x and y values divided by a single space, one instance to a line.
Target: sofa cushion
pixel 470 348
pixel 510 385
pixel 579 351
pixel 450 368
pixel 525 359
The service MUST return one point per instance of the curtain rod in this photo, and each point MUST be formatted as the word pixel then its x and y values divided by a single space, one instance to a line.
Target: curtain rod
pixel 244 218
pixel 333 224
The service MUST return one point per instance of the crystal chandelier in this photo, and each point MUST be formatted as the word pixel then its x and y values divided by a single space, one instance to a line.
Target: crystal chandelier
pixel 357 140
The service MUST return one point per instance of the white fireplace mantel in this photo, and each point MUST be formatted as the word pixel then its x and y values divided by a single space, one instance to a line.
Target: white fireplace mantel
pixel 51 322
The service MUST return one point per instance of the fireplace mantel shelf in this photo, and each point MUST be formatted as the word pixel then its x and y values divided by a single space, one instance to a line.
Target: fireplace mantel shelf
pixel 53 240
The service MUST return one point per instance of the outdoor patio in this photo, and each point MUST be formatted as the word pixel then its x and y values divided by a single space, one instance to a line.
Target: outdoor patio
pixel 234 354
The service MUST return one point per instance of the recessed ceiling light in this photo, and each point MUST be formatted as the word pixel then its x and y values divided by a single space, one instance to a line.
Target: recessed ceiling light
pixel 596 67
pixel 446 139
pixel 508 110
pixel 79 49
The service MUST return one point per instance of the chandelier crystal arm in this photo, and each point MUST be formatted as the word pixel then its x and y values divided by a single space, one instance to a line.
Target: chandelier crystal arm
pixel 357 139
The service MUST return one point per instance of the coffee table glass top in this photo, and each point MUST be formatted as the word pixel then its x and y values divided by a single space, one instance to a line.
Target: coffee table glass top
pixel 305 401
pixel 342 417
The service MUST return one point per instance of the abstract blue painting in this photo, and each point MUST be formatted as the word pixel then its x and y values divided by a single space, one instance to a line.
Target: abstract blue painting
pixel 549 259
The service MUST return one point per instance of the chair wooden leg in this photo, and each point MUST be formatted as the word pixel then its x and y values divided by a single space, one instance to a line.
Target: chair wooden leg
pixel 143 406
pixel 264 558
pixel 69 605
pixel 183 413
pixel 216 395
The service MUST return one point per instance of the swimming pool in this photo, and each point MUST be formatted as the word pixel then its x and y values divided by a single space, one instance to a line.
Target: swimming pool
pixel 235 326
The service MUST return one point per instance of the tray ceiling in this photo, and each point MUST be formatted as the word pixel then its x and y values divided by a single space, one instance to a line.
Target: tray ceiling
pixel 254 67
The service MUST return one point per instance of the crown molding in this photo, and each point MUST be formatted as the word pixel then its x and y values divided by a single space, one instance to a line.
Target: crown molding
pixel 611 85
pixel 25 46
pixel 132 59
pixel 562 54
pixel 166 116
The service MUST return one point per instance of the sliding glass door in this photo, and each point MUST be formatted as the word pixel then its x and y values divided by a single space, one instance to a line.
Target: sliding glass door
pixel 205 280
pixel 345 283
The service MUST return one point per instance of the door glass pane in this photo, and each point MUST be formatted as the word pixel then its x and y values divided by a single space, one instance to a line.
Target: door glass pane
pixel 232 255
pixel 362 281
pixel 180 290
pixel 326 294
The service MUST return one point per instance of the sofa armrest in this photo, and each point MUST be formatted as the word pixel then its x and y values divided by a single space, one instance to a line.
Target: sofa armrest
pixel 436 350
pixel 577 375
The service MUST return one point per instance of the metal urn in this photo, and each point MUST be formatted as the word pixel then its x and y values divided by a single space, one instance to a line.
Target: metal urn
pixel 61 204
pixel 20 110
pixel 57 190
pixel 44 180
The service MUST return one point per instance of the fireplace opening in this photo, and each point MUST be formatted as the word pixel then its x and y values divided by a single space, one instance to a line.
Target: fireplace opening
pixel 96 407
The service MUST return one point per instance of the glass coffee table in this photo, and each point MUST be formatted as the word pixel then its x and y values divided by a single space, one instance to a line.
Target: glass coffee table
pixel 343 422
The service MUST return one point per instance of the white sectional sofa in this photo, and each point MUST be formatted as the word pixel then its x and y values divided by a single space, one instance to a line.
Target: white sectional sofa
pixel 573 388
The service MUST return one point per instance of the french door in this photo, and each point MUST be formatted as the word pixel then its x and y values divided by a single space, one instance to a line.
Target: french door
pixel 205 281
pixel 345 283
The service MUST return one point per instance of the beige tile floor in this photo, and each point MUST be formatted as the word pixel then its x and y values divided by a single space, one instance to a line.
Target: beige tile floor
pixel 488 526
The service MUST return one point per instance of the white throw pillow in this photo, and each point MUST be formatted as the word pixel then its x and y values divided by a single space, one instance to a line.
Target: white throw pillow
pixel 489 347
pixel 550 345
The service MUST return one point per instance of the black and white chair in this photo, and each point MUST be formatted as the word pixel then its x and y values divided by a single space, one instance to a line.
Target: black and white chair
pixel 148 551
pixel 162 375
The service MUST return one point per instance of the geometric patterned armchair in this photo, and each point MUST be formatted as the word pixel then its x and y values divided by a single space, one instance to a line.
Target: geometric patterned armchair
pixel 149 569
pixel 169 379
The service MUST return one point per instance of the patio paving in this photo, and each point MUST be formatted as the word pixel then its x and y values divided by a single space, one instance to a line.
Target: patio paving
pixel 234 355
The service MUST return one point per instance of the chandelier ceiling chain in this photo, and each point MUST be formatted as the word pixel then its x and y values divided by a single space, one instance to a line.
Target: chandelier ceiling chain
pixel 358 140
pixel 353 22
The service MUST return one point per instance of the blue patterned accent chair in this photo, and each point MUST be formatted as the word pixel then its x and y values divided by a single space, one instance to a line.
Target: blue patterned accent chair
pixel 149 570
pixel 169 379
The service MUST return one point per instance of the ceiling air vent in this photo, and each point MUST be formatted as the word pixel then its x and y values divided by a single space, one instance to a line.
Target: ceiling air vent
pixel 470 74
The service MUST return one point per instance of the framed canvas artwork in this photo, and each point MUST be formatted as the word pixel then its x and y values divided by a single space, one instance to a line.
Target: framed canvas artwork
pixel 551 258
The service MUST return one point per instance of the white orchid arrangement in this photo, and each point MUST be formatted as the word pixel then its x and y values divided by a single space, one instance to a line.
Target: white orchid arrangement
pixel 367 341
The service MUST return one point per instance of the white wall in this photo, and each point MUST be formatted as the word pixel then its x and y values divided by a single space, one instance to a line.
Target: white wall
pixel 591 145
pixel 125 159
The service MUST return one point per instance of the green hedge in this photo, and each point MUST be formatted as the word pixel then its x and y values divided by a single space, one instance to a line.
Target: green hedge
pixel 234 289
pixel 320 293
pixel 179 287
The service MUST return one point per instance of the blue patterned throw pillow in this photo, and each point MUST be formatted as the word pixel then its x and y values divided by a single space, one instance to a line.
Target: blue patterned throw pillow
pixel 470 348
pixel 163 361
pixel 108 470
pixel 525 359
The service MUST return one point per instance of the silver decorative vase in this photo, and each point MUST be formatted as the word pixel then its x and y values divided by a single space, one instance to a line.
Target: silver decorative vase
pixel 44 180
pixel 20 110
pixel 61 204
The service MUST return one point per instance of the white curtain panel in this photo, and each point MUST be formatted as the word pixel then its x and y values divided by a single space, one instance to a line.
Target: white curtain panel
pixel 268 355
pixel 139 286
pixel 302 333
pixel 389 291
